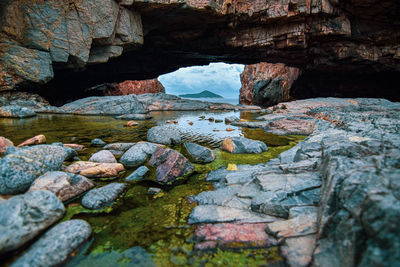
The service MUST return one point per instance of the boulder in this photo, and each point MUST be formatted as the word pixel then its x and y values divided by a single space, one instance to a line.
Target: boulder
pixel 95 169
pixel 56 245
pixel 170 165
pixel 138 154
pixel 138 174
pixel 166 135
pixel 137 117
pixel 25 216
pixel 4 144
pixel 150 86
pixel 199 154
pixel 242 145
pixel 104 196
pixel 14 111
pixel 20 167
pixel 64 185
pixel 97 142
pixel 103 156
pixel 36 140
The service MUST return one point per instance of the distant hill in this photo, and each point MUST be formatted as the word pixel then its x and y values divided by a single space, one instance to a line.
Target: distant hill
pixel 204 94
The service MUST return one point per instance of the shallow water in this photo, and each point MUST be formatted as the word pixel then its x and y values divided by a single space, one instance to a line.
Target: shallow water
pixel 141 229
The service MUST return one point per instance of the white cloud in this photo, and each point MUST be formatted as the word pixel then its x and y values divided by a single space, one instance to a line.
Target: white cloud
pixel 219 78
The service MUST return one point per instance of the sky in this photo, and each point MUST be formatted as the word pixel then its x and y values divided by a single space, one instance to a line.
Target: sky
pixel 219 78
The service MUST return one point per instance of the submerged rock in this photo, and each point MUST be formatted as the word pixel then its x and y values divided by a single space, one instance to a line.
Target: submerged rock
pixel 239 145
pixel 56 245
pixel 199 154
pixel 64 185
pixel 170 165
pixel 97 142
pixel 137 117
pixel 138 174
pixel 36 140
pixel 101 197
pixel 4 144
pixel 118 149
pixel 15 111
pixel 103 156
pixel 138 154
pixel 25 216
pixel 20 167
pixel 166 135
pixel 95 169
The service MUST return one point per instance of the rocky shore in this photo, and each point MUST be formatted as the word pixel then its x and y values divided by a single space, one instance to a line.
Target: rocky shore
pixel 331 200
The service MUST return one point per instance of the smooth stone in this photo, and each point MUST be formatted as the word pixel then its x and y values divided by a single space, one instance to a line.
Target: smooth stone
pixel 36 140
pixel 14 111
pixel 20 167
pixel 241 145
pixel 25 216
pixel 170 165
pixel 56 245
pixel 104 196
pixel 137 117
pixel 199 154
pixel 95 169
pixel 75 147
pixel 4 144
pixel 97 142
pixel 166 135
pixel 138 154
pixel 103 156
pixel 64 185
pixel 118 146
pixel 138 174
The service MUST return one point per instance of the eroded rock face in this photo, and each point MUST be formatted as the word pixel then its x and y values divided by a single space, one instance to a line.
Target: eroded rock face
pixel 152 86
pixel 266 84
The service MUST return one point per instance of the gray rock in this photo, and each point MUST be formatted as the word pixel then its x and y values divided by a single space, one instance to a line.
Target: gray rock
pixel 64 185
pixel 231 119
pixel 56 245
pixel 103 156
pixel 138 154
pixel 290 183
pixel 98 142
pixel 298 250
pixel 239 145
pixel 15 111
pixel 25 216
pixel 199 154
pixel 138 174
pixel 20 167
pixel 119 146
pixel 166 135
pixel 136 117
pixel 104 196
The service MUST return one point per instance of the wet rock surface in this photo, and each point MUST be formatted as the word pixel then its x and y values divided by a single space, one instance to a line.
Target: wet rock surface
pixel 25 216
pixel 332 198
pixel 138 174
pixel 166 135
pixel 170 165
pixel 199 154
pixel 138 154
pixel 56 245
pixel 95 169
pixel 242 145
pixel 137 117
pixel 101 197
pixel 20 167
pixel 15 111
pixel 64 185
pixel 103 156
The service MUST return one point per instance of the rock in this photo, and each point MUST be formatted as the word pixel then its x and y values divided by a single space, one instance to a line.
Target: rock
pixel 16 112
pixel 170 165
pixel 239 145
pixel 95 169
pixel 104 196
pixel 23 99
pixel 103 156
pixel 166 135
pixel 151 86
pixel 20 167
pixel 231 119
pixel 4 144
pixel 138 154
pixel 131 124
pixel 64 185
pixel 154 191
pixel 36 140
pixel 267 84
pixel 138 174
pixel 75 147
pixel 199 154
pixel 298 226
pixel 224 234
pixel 290 126
pixel 137 117
pixel 25 216
pixel 298 250
pixel 98 142
pixel 118 149
pixel 56 245
pixel 106 105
